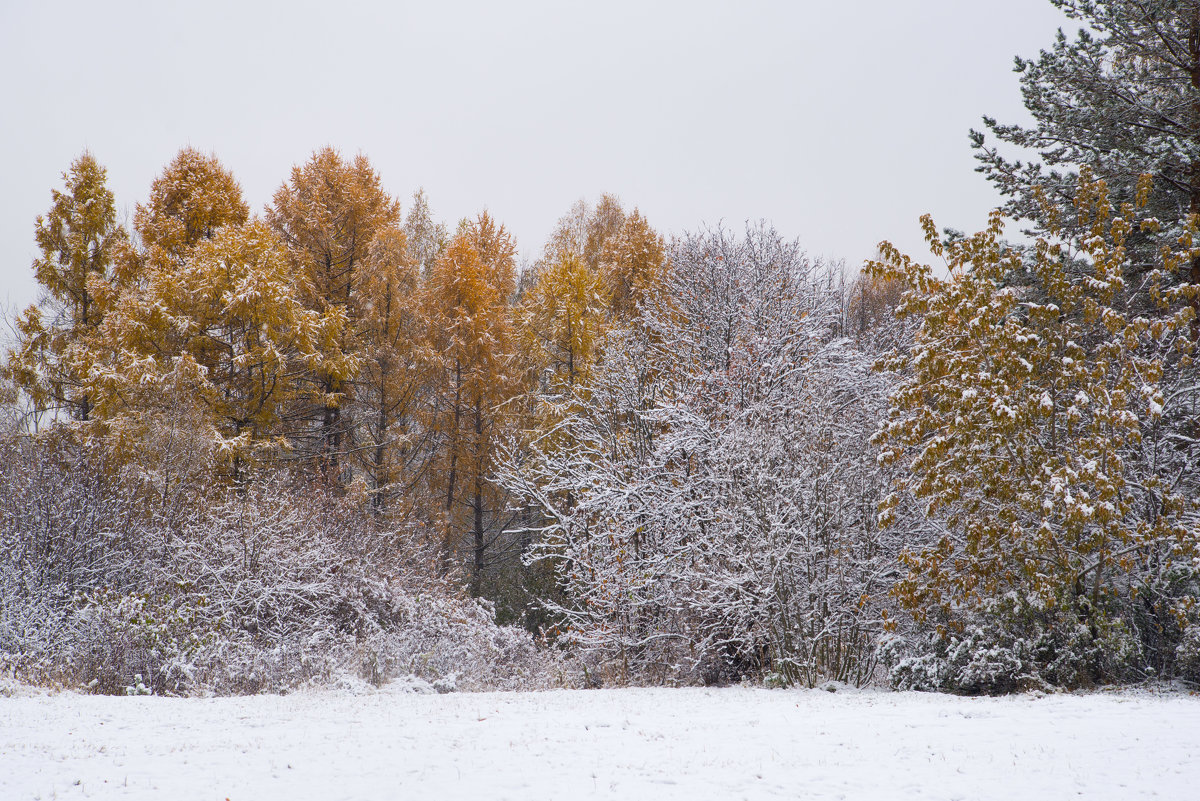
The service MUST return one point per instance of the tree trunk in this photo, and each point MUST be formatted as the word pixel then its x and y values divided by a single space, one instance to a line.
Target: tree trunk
pixel 477 566
pixel 1194 205
pixel 452 477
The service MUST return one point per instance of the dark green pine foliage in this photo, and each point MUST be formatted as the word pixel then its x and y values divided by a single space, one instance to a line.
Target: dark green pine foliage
pixel 1122 96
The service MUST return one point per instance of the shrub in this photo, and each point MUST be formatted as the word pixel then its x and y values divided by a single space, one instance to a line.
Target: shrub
pixel 1011 645
pixel 263 587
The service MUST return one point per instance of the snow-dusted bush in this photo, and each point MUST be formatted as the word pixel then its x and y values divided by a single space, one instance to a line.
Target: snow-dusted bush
pixel 1187 654
pixel 266 587
pixel 68 527
pixel 444 637
pixel 33 627
pixel 1010 645
pixel 119 636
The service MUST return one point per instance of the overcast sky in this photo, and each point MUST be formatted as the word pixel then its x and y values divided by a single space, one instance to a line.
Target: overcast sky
pixel 840 122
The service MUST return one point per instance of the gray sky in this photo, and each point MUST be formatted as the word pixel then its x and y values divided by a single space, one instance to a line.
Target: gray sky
pixel 841 122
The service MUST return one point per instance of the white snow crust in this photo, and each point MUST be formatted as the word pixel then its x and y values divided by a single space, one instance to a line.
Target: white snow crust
pixel 733 743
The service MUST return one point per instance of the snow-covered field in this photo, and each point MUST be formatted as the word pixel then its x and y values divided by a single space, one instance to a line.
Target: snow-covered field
pixel 630 744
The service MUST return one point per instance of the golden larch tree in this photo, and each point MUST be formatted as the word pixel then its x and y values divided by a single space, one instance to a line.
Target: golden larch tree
pixel 562 318
pixel 1028 419
pixel 328 214
pixel 388 389
pixel 52 358
pixel 224 334
pixel 475 373
pixel 193 198
pixel 634 260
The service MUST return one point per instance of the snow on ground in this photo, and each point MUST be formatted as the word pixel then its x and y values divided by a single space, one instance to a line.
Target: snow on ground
pixel 629 744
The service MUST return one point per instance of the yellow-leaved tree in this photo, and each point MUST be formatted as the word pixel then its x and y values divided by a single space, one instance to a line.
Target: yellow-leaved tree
pixel 207 341
pixel 52 358
pixel 227 328
pixel 475 374
pixel 633 261
pixel 193 198
pixel 388 389
pixel 1028 423
pixel 328 214
pixel 586 230
pixel 562 318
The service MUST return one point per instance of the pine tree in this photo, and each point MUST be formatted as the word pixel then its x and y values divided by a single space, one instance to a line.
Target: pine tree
pixel 1121 98
pixel 51 361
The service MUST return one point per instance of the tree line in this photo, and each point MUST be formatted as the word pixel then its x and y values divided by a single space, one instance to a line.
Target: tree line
pixel 710 457
pixel 329 333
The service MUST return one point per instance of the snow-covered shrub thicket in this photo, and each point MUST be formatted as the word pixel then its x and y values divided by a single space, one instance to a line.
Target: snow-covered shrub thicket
pixel 1009 645
pixel 709 498
pixel 252 589
pixel 66 529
